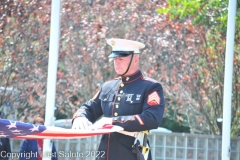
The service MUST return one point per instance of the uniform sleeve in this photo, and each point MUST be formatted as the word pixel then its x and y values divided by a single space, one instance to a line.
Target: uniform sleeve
pixel 23 149
pixel 8 147
pixel 5 149
pixel 91 109
pixel 54 152
pixel 152 113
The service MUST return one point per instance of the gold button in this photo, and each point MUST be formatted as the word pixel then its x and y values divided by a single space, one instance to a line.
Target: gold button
pixel 127 78
pixel 115 114
pixel 105 99
pixel 122 85
pixel 119 98
pixel 122 119
pixel 121 91
pixel 117 106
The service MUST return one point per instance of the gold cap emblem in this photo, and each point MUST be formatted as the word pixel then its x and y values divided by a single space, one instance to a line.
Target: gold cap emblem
pixel 113 43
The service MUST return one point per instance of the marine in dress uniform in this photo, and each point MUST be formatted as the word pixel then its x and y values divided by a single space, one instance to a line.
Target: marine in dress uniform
pixel 132 101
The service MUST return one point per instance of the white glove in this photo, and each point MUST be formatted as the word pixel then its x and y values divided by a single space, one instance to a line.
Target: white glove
pixel 81 123
pixel 101 122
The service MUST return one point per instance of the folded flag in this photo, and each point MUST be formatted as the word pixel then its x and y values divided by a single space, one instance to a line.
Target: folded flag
pixel 20 130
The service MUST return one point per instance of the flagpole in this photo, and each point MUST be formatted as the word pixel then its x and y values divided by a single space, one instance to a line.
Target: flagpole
pixel 52 73
pixel 227 99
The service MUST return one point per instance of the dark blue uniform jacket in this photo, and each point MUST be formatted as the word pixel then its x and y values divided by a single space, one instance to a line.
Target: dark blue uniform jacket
pixel 29 150
pixel 135 103
pixel 5 148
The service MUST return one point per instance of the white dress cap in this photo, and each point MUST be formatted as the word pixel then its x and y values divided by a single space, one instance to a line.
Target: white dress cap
pixel 125 45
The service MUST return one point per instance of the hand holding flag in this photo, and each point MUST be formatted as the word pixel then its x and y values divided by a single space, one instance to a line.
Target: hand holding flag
pixel 81 123
pixel 102 122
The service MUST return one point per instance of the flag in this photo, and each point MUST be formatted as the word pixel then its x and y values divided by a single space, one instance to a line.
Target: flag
pixel 20 130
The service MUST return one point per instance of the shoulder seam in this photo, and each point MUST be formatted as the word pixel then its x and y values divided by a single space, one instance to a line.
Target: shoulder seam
pixel 150 79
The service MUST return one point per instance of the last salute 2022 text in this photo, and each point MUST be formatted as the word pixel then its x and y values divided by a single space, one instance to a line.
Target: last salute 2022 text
pixel 96 154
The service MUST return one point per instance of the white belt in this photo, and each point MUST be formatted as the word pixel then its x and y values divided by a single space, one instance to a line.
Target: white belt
pixel 132 134
pixel 139 136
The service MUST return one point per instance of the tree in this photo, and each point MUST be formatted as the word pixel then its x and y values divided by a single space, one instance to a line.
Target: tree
pixel 208 87
pixel 170 56
pixel 24 53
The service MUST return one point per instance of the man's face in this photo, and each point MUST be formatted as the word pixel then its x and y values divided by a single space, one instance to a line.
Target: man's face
pixel 121 64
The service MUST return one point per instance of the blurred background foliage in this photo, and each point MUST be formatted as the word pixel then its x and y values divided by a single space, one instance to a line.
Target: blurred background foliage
pixel 185 52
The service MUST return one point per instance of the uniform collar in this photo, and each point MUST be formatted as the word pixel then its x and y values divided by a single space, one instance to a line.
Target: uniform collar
pixel 131 78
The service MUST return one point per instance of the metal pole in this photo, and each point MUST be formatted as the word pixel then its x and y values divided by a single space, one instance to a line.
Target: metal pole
pixel 227 99
pixel 52 73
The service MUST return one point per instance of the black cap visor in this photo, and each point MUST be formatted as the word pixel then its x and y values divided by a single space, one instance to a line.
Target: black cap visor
pixel 116 54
